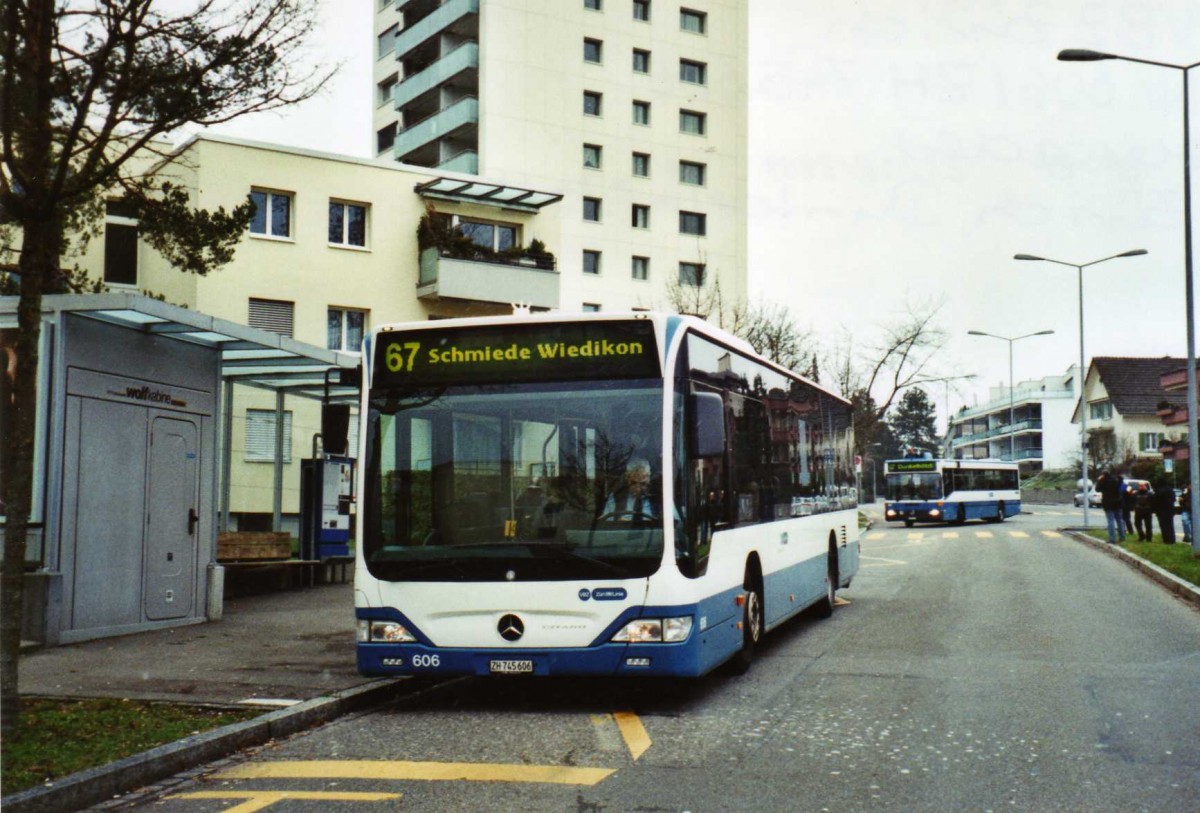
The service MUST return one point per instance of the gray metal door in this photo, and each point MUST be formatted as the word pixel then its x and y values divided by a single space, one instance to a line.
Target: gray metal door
pixel 172 505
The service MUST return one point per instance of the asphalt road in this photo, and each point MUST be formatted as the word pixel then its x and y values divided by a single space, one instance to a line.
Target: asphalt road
pixel 976 668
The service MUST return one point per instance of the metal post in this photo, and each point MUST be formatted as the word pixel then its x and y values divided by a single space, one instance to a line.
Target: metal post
pixel 1012 410
pixel 226 454
pixel 277 497
pixel 1083 408
pixel 1193 441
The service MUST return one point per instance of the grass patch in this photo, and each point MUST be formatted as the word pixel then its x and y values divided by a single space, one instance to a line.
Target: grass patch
pixel 56 738
pixel 1177 559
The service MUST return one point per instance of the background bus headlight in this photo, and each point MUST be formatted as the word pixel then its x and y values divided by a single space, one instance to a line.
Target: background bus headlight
pixel 655 630
pixel 383 632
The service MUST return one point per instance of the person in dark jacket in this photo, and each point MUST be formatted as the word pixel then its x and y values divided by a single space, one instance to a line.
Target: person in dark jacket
pixel 1127 496
pixel 1185 512
pixel 1110 487
pixel 1164 509
pixel 1143 512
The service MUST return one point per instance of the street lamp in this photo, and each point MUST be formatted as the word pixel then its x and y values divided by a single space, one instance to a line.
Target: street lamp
pixel 1081 55
pixel 1012 421
pixel 1137 252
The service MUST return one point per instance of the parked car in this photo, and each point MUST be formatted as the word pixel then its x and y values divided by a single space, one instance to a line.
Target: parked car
pixel 1093 496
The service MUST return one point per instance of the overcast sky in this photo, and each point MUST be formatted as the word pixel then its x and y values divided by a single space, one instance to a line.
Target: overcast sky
pixel 903 150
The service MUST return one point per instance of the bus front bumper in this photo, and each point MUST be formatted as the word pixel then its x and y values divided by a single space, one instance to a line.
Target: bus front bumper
pixel 618 659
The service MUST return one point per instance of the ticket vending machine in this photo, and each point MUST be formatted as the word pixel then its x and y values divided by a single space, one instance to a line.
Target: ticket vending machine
pixel 326 506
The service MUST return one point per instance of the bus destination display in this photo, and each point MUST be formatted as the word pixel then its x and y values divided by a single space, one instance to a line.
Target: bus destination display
pixel 912 465
pixel 516 353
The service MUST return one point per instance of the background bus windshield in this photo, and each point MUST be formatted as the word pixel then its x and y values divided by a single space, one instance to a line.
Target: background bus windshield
pixel 914 486
pixel 523 481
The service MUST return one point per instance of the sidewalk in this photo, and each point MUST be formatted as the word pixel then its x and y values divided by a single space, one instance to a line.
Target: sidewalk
pixel 283 645
pixel 292 651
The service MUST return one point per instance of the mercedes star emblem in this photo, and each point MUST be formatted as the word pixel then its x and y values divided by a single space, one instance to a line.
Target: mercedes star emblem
pixel 511 628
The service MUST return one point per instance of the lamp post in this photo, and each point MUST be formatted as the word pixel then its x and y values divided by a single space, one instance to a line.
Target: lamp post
pixel 1012 421
pixel 1137 252
pixel 1081 55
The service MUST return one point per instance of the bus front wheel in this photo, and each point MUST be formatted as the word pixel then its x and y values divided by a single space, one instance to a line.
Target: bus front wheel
pixel 824 607
pixel 752 626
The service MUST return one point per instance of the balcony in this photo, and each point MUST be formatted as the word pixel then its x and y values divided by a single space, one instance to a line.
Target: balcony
pixel 450 121
pixel 445 16
pixel 462 59
pixel 530 280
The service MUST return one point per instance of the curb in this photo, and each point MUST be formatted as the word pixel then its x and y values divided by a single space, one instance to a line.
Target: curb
pixel 1184 590
pixel 99 784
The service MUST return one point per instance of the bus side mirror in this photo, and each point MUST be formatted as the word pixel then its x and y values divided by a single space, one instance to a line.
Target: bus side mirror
pixel 708 424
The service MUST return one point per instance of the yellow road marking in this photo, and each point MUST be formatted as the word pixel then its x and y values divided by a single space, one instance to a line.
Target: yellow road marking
pixel 260 799
pixel 916 535
pixel 876 535
pixel 838 601
pixel 426 771
pixel 950 535
pixel 1051 534
pixel 1019 534
pixel 633 731
pixel 984 534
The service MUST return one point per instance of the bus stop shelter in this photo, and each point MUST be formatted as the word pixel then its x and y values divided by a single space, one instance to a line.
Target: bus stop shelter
pixel 132 456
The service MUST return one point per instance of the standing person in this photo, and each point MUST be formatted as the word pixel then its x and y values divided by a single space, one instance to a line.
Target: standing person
pixel 1143 513
pixel 1110 487
pixel 1185 512
pixel 1127 496
pixel 1164 509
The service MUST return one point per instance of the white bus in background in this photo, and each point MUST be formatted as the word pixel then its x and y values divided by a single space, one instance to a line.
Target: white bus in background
pixel 928 490
pixel 495 530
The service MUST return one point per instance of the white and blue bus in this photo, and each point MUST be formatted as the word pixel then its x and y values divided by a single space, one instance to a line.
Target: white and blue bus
pixel 925 490
pixel 496 530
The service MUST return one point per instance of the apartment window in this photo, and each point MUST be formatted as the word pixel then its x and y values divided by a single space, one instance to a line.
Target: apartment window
pixel 695 73
pixel 641 112
pixel 1100 411
pixel 387 42
pixel 591 209
pixel 494 236
pixel 120 244
pixel 591 103
pixel 347 224
pixel 1150 441
pixel 272 213
pixel 386 88
pixel 694 21
pixel 592 50
pixel 641 10
pixel 344 329
pixel 641 61
pixel 592 4
pixel 591 261
pixel 591 307
pixel 385 139
pixel 693 223
pixel 275 315
pixel 591 156
pixel 641 216
pixel 692 122
pixel 260 436
pixel 692 173
pixel 691 274
pixel 640 268
pixel 641 164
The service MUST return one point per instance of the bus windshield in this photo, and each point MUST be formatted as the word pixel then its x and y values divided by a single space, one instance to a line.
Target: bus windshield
pixel 525 482
pixel 914 486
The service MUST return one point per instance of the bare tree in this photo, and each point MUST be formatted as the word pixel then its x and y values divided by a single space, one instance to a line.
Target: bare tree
pixel 88 89
pixel 906 355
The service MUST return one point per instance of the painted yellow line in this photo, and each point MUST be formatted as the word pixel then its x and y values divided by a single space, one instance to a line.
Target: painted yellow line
pixel 876 535
pixel 869 560
pixel 916 535
pixel 421 771
pixel 838 601
pixel 1018 534
pixel 983 534
pixel 633 731
pixel 949 534
pixel 260 799
pixel 1051 534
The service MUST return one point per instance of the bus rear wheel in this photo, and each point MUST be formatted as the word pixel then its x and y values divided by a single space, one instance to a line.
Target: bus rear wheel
pixel 824 607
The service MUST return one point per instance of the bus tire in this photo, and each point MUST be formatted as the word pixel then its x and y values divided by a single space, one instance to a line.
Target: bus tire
pixel 1000 515
pixel 752 624
pixel 824 607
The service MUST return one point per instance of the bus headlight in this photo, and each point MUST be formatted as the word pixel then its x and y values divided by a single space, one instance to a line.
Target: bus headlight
pixel 891 512
pixel 933 512
pixel 383 632
pixel 655 630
